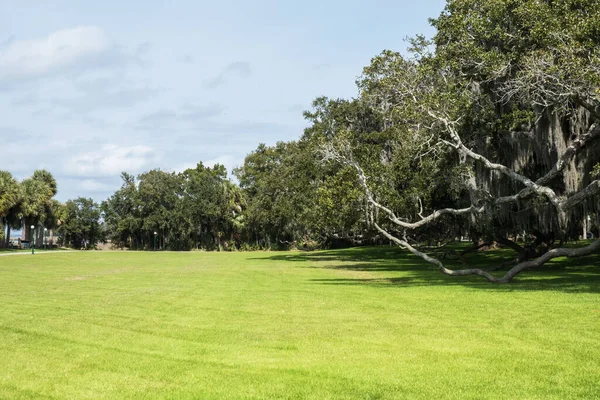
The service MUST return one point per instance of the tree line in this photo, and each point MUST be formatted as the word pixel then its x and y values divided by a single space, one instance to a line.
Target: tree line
pixel 31 202
pixel 488 130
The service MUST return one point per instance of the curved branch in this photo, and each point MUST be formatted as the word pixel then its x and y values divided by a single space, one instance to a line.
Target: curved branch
pixel 435 261
pixel 544 258
pixel 538 262
pixel 590 190
pixel 408 225
pixel 465 151
pixel 593 188
pixel 510 244
pixel 592 133
pixel 589 105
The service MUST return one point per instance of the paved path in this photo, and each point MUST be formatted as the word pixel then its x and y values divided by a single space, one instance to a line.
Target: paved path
pixel 26 253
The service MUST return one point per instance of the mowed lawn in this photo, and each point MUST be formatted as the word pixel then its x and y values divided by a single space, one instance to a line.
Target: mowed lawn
pixel 348 324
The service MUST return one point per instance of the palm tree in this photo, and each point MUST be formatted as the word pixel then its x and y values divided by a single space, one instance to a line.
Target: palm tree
pixel 37 195
pixel 10 196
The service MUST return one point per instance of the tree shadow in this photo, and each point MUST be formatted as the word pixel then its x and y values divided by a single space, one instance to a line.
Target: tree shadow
pixel 577 275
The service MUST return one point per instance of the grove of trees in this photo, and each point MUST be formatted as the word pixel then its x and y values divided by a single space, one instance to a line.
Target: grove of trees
pixel 499 115
pixel 26 203
pixel 199 208
pixel 31 202
pixel 489 130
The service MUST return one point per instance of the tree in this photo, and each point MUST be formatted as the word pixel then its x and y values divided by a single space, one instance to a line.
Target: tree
pixel 203 198
pixel 10 196
pixel 276 181
pixel 158 195
pixel 34 209
pixel 507 97
pixel 81 221
pixel 122 214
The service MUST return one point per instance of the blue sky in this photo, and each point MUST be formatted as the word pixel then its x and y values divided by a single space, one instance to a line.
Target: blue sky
pixel 92 88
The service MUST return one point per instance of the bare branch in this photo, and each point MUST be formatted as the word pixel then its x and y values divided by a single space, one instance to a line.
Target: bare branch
pixel 465 151
pixel 345 157
pixel 590 190
pixel 592 133
pixel 538 262
pixel 554 253
pixel 588 104
pixel 392 216
pixel 435 261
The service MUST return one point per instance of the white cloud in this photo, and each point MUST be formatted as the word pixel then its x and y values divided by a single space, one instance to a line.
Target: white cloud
pixel 111 160
pixel 93 186
pixel 167 118
pixel 241 69
pixel 22 59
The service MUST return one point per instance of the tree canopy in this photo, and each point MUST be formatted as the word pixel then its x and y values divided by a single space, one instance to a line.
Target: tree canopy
pixel 488 130
pixel 505 99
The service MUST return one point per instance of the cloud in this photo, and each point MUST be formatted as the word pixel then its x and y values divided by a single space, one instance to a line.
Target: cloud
pixel 72 50
pixel 72 187
pixel 94 186
pixel 241 69
pixel 178 119
pixel 157 118
pixel 25 100
pixel 103 99
pixel 295 108
pixel 111 160
pixel 187 59
pixel 191 112
pixel 321 67
pixel 87 96
pixel 144 48
pixel 21 59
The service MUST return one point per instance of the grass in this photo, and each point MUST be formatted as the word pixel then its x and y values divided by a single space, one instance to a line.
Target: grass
pixel 5 250
pixel 349 324
pixel 28 250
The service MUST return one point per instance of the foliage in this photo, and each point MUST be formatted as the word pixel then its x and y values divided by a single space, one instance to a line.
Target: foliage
pixel 10 196
pixel 81 221
pixel 199 208
pixel 10 193
pixel 498 117
pixel 514 82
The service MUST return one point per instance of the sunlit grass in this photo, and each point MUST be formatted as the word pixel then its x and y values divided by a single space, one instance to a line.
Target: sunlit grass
pixel 356 324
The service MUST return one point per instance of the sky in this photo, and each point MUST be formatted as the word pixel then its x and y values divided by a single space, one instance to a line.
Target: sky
pixel 89 89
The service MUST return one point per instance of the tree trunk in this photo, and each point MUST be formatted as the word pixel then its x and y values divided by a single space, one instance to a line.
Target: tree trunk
pixel 585 227
pixel 7 240
pixel 26 230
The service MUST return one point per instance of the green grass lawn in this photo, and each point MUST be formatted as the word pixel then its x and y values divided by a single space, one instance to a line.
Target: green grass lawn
pixel 355 324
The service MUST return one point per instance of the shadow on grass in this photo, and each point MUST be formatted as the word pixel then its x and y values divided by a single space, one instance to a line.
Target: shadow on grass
pixel 579 275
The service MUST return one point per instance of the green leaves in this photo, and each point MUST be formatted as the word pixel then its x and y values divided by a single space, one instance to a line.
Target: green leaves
pixel 191 209
pixel 10 193
pixel 81 220
pixel 38 192
pixel 596 171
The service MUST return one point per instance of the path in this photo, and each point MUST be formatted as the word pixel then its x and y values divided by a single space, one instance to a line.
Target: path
pixel 25 253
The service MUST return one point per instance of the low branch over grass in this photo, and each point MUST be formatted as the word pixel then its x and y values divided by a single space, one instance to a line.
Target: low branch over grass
pixel 331 153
